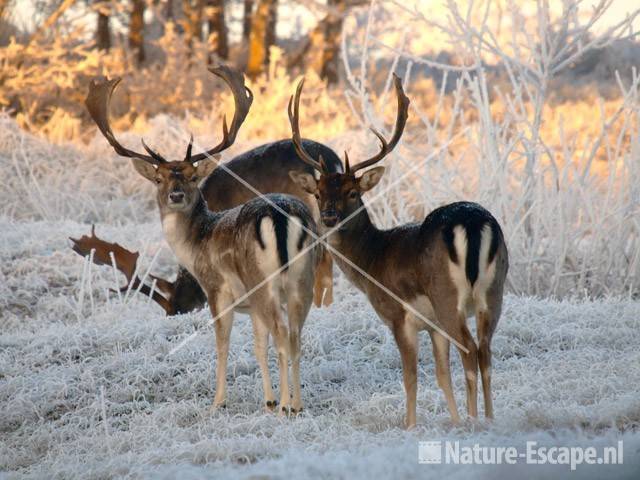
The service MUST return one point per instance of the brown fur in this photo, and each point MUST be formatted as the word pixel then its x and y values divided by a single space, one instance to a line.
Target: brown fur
pixel 222 251
pixel 413 261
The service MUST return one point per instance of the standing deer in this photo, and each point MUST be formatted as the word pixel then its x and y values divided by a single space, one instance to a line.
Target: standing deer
pixel 266 169
pixel 447 268
pixel 244 251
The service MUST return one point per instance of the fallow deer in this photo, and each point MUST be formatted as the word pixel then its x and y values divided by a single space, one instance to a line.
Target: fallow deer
pixel 247 251
pixel 447 268
pixel 266 169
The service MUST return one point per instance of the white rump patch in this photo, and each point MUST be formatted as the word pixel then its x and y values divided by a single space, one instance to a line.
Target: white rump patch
pixel 267 258
pixel 294 233
pixel 457 270
pixel 486 271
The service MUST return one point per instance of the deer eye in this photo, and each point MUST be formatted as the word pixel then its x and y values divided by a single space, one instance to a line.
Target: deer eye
pixel 353 194
pixel 317 195
pixel 158 181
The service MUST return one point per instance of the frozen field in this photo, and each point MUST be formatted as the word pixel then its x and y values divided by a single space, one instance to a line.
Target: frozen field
pixel 94 392
pixel 531 110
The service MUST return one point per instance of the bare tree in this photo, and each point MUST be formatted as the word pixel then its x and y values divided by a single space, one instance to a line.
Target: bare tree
pixel 262 36
pixel 103 32
pixel 136 30
pixel 169 14
pixel 218 27
pixel 246 19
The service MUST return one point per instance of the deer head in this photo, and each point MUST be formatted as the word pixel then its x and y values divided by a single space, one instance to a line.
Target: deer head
pixel 339 194
pixel 176 181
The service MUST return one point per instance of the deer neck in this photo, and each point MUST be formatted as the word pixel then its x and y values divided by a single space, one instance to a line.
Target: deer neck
pixel 185 230
pixel 352 241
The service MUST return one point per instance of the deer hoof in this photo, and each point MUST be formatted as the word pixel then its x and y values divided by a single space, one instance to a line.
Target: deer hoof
pixel 285 411
pixel 217 406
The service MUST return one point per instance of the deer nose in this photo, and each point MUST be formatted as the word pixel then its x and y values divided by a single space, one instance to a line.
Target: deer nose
pixel 176 197
pixel 329 218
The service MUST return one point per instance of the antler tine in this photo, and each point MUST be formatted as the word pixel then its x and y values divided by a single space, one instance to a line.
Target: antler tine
pixel 294 120
pixel 97 103
pixel 243 98
pixel 155 155
pixel 187 157
pixel 401 121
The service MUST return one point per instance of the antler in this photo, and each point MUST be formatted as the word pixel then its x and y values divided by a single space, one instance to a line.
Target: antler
pixel 401 121
pixel 125 261
pixel 243 98
pixel 294 117
pixel 99 97
pixel 385 148
pixel 97 103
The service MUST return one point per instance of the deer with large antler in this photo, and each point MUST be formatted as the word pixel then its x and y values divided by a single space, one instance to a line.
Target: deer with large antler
pixel 256 256
pixel 431 275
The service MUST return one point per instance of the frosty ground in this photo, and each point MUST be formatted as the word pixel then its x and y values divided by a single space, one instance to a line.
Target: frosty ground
pixel 90 387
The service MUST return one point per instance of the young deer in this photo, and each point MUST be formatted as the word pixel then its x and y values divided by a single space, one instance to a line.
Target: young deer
pixel 447 268
pixel 233 252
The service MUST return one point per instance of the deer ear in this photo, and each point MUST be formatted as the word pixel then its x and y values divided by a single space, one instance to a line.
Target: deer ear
pixel 370 179
pixel 144 168
pixel 205 167
pixel 304 180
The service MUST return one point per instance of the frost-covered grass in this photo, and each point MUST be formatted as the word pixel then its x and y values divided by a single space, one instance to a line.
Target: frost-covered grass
pixel 88 387
pixel 95 393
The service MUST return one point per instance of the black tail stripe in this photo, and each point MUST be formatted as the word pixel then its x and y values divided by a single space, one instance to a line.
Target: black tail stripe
pixel 258 233
pixel 280 225
pixel 473 252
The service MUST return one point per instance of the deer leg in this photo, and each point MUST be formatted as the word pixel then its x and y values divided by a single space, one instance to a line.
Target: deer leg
pixel 485 330
pixel 222 328
pixel 470 364
pixel 406 336
pixel 323 283
pixel 260 346
pixel 272 318
pixel 297 312
pixel 440 346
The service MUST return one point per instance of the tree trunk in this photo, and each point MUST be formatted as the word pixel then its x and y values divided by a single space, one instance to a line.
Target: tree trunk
pixel 320 52
pixel 329 67
pixel 218 28
pixel 262 37
pixel 272 20
pixel 168 11
pixel 246 19
pixel 103 32
pixel 136 31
